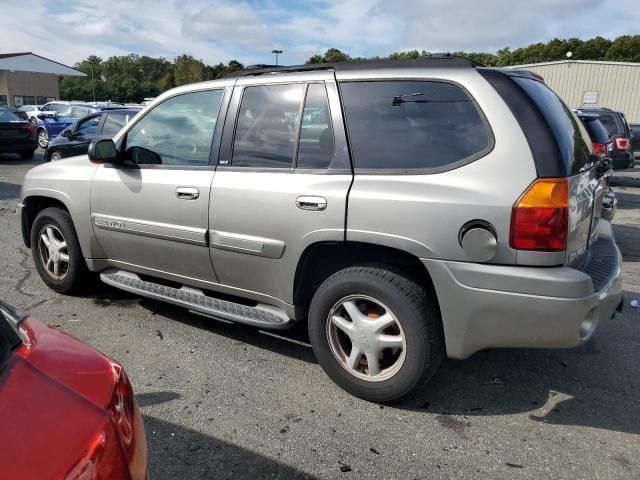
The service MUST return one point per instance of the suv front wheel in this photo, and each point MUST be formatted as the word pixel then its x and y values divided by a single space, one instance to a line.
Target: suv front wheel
pixel 376 333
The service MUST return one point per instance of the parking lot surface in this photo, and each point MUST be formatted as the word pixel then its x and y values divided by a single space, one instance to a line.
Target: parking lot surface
pixel 228 401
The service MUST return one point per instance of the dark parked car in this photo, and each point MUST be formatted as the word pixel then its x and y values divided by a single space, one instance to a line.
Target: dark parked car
pixel 602 146
pixel 66 410
pixel 17 135
pixel 620 133
pixel 75 139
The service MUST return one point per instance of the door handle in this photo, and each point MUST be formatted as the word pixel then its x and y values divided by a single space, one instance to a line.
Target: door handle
pixel 311 202
pixel 187 193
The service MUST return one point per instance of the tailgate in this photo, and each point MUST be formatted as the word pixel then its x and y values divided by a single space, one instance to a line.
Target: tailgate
pixel 15 131
pixel 586 192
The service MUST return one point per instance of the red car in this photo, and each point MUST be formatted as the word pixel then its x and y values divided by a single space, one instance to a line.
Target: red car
pixel 66 411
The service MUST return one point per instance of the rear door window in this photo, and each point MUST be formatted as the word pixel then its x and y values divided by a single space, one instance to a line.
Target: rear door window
pixel 267 126
pixel 316 144
pixel 413 125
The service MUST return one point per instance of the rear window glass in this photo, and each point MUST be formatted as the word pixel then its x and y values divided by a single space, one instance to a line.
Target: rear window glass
pixel 597 132
pixel 571 137
pixel 610 124
pixel 7 116
pixel 411 125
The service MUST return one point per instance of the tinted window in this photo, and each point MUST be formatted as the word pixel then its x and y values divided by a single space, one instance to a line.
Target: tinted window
pixel 316 145
pixel 267 126
pixel 177 131
pixel 571 137
pixel 89 126
pixel 610 124
pixel 7 116
pixel 411 124
pixel 78 112
pixel 114 122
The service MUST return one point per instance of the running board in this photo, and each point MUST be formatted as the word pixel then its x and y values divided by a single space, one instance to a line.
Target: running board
pixel 262 315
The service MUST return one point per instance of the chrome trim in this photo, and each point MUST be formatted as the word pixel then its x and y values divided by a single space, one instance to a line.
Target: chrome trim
pixel 236 242
pixel 165 231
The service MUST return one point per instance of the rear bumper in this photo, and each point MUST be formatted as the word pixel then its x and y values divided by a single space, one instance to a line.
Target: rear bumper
pixel 17 146
pixel 621 160
pixel 489 306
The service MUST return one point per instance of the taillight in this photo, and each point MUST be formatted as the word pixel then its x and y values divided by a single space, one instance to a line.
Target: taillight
pixel 127 420
pixel 30 128
pixel 621 143
pixel 540 217
pixel 600 149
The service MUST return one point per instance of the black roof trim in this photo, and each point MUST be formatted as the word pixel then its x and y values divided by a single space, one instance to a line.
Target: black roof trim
pixel 446 60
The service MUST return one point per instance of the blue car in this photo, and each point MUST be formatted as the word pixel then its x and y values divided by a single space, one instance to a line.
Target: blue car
pixel 50 124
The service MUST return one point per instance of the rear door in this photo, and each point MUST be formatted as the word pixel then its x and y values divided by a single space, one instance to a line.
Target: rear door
pixel 282 180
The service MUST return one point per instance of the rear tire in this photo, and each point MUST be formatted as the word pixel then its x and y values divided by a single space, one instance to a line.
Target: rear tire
pixel 404 355
pixel 54 227
pixel 43 138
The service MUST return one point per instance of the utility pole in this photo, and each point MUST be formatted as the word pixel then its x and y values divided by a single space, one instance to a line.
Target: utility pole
pixel 93 87
pixel 276 52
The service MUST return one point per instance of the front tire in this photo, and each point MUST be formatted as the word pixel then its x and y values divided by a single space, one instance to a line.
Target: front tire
pixel 54 157
pixel 56 251
pixel 376 333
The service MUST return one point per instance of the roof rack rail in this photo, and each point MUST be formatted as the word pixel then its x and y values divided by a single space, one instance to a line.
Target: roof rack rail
pixel 435 60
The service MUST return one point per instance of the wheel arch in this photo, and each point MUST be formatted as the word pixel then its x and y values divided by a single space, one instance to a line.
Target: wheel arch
pixel 322 259
pixel 34 204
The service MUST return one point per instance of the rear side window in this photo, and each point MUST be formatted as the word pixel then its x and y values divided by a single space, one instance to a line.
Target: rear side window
pixel 412 125
pixel 267 126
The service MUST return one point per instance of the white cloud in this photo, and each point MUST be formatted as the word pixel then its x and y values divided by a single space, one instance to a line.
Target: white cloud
pixel 219 30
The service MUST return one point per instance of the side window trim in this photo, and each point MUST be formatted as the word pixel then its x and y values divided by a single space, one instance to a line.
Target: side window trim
pixel 121 142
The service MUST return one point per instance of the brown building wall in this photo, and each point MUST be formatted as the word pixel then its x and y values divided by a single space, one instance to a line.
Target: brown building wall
pixel 28 83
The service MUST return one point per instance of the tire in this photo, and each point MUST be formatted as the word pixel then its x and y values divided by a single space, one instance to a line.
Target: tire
pixel 27 155
pixel 74 276
pixel 417 325
pixel 54 157
pixel 43 138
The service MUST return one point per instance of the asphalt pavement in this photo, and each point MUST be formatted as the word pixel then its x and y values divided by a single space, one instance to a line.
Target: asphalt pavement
pixel 228 401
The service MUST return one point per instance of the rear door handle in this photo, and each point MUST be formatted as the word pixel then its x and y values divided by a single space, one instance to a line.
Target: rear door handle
pixel 187 193
pixel 311 202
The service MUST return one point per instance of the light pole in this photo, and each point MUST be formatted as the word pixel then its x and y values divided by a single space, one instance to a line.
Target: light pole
pixel 276 52
pixel 93 87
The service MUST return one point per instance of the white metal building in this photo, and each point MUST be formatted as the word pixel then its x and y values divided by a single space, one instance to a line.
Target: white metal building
pixel 615 85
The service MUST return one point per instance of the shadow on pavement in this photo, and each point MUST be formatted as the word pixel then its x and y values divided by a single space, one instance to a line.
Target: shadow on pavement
pixel 179 452
pixel 9 191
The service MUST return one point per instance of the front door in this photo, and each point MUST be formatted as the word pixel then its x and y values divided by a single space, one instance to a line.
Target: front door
pixel 150 213
pixel 281 182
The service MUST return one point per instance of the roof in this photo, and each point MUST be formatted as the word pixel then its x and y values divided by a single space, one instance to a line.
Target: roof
pixel 30 62
pixel 431 61
pixel 560 62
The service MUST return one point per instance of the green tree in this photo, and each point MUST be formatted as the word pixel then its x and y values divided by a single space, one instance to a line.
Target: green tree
pixel 625 49
pixel 187 69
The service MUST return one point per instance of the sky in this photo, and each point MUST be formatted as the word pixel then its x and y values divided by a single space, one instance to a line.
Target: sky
pixel 220 30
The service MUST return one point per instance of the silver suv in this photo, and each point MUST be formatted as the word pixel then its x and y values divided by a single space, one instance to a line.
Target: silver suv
pixel 405 210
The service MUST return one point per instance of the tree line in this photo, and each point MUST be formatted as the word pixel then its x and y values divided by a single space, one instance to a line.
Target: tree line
pixel 131 78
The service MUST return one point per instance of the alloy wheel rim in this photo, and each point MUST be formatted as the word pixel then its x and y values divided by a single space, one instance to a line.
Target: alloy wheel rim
pixel 43 139
pixel 54 253
pixel 366 338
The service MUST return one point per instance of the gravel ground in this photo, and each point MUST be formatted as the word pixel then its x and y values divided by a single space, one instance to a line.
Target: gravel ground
pixel 227 401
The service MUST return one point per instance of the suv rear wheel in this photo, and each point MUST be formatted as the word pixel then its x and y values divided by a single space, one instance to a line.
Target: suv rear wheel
pixel 56 251
pixel 376 333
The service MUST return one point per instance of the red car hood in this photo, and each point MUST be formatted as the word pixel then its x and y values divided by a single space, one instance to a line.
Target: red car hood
pixel 52 396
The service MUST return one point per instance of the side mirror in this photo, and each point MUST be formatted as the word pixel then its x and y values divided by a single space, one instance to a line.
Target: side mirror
pixel 43 115
pixel 102 151
pixel 67 133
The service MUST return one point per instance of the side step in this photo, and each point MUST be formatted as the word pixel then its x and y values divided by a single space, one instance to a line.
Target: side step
pixel 262 315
